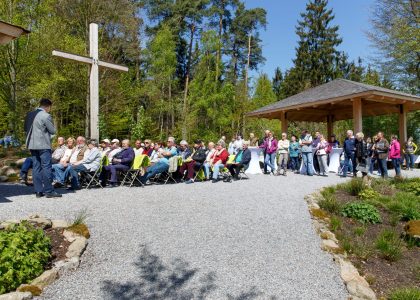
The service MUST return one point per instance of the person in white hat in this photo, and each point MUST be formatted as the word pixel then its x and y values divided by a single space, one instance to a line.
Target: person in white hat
pixel 104 147
pixel 115 149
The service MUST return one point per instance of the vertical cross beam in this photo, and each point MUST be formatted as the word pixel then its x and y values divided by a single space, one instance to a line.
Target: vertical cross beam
pixel 283 120
pixel 357 115
pixel 94 81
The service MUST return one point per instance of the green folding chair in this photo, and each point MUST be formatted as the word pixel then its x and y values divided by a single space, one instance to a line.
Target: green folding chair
pixel 131 176
pixel 93 178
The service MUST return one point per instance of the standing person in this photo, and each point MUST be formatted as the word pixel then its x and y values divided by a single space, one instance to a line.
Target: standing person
pixel 237 144
pixel 261 142
pixel 270 149
pixel 321 154
pixel 305 143
pixel 333 141
pixel 283 150
pixel 382 148
pixel 369 148
pixel 315 142
pixel 253 141
pixel 395 155
pixel 361 154
pixel 349 149
pixel 409 149
pixel 294 154
pixel 39 128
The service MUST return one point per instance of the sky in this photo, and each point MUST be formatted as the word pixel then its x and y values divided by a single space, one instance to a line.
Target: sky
pixel 279 39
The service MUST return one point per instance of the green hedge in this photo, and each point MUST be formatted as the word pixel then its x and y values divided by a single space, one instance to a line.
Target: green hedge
pixel 24 251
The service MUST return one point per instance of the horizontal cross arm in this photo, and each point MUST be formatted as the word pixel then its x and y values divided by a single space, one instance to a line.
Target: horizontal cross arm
pixel 79 58
pixel 112 66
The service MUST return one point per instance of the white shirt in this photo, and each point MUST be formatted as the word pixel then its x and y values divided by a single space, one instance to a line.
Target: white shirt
pixel 67 155
pixel 138 151
pixel 113 152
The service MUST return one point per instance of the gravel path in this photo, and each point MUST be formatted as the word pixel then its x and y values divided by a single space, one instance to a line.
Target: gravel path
pixel 251 239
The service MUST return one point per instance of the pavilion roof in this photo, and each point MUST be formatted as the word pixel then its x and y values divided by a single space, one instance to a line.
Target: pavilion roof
pixel 10 32
pixel 332 92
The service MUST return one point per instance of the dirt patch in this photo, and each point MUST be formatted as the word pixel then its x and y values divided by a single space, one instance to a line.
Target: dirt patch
pixel 59 245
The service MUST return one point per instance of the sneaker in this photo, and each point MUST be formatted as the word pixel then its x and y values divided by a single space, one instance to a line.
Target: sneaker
pixel 214 180
pixel 189 181
pixel 39 195
pixel 58 184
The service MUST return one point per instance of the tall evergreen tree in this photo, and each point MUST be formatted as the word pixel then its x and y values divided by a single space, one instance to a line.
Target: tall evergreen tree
pixel 316 53
pixel 277 83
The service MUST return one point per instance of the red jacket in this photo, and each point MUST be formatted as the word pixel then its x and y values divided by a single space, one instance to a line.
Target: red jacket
pixel 223 156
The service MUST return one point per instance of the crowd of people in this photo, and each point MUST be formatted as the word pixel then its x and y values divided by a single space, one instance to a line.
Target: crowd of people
pixel 306 154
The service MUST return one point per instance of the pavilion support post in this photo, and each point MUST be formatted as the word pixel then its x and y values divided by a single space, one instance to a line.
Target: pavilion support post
pixel 330 126
pixel 357 115
pixel 284 123
pixel 402 124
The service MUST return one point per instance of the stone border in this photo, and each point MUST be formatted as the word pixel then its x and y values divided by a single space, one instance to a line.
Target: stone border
pixel 357 286
pixel 72 261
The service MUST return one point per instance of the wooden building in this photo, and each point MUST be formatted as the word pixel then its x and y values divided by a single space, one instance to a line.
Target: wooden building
pixel 10 32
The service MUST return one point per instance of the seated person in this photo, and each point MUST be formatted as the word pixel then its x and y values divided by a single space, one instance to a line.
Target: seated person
pixel 120 162
pixel 90 163
pixel 194 162
pixel 154 155
pixel 71 155
pixel 104 147
pixel 115 148
pixel 218 161
pixel 59 151
pixel 138 148
pixel 27 164
pixel 241 160
pixel 148 147
pixel 209 153
pixel 162 165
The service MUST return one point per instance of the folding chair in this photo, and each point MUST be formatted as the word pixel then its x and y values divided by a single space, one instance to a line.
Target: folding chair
pixel 242 174
pixel 170 174
pixel 132 175
pixel 199 174
pixel 92 179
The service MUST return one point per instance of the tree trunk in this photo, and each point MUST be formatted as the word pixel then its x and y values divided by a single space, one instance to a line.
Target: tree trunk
pixel 172 106
pixel 219 46
pixel 187 82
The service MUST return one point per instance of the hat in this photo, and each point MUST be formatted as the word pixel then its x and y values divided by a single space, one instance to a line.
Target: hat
pixel 115 141
pixel 106 141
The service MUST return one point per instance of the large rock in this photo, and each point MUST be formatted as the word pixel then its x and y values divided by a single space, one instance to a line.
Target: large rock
pixel 4 169
pixel 358 290
pixel 16 296
pixel 77 247
pixel 70 236
pixel 11 171
pixel 3 178
pixel 59 224
pixel 329 245
pixel 66 265
pixel 7 223
pixel 40 220
pixel 46 278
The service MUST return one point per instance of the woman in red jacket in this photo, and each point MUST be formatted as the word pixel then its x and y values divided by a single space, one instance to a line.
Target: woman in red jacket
pixel 218 161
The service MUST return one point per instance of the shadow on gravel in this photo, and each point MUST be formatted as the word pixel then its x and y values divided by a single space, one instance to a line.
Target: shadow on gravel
pixel 13 190
pixel 176 280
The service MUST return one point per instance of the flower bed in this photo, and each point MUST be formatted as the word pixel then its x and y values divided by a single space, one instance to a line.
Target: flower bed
pixel 35 251
pixel 375 226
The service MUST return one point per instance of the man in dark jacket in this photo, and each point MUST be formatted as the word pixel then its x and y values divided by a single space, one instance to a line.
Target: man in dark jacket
pixel 195 161
pixel 241 160
pixel 121 162
pixel 39 127
pixel 349 148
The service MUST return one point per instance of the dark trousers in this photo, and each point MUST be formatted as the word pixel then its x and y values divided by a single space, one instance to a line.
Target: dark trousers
pixel 347 157
pixel 294 163
pixel 74 171
pixel 27 164
pixel 42 171
pixel 234 169
pixel 113 169
pixel 190 166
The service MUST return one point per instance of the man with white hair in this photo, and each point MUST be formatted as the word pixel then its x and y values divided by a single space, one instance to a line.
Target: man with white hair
pixel 162 165
pixel 349 148
pixel 115 149
pixel 242 159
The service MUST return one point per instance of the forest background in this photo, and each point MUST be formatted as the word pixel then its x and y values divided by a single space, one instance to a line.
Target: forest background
pixel 189 65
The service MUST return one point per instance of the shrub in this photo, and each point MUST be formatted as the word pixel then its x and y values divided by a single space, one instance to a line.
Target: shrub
pixel 354 186
pixel 405 294
pixel 389 245
pixel 409 185
pixel 24 251
pixel 406 205
pixel 329 203
pixel 383 187
pixel 363 212
pixel 335 223
pixel 368 194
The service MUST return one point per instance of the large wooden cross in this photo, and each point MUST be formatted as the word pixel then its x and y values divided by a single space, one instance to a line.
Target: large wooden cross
pixel 94 64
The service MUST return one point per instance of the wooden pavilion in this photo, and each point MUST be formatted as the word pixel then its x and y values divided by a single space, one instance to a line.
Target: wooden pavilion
pixel 341 99
pixel 9 32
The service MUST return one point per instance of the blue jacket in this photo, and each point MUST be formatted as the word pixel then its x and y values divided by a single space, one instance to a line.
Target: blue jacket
pixel 349 145
pixel 126 156
pixel 246 156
